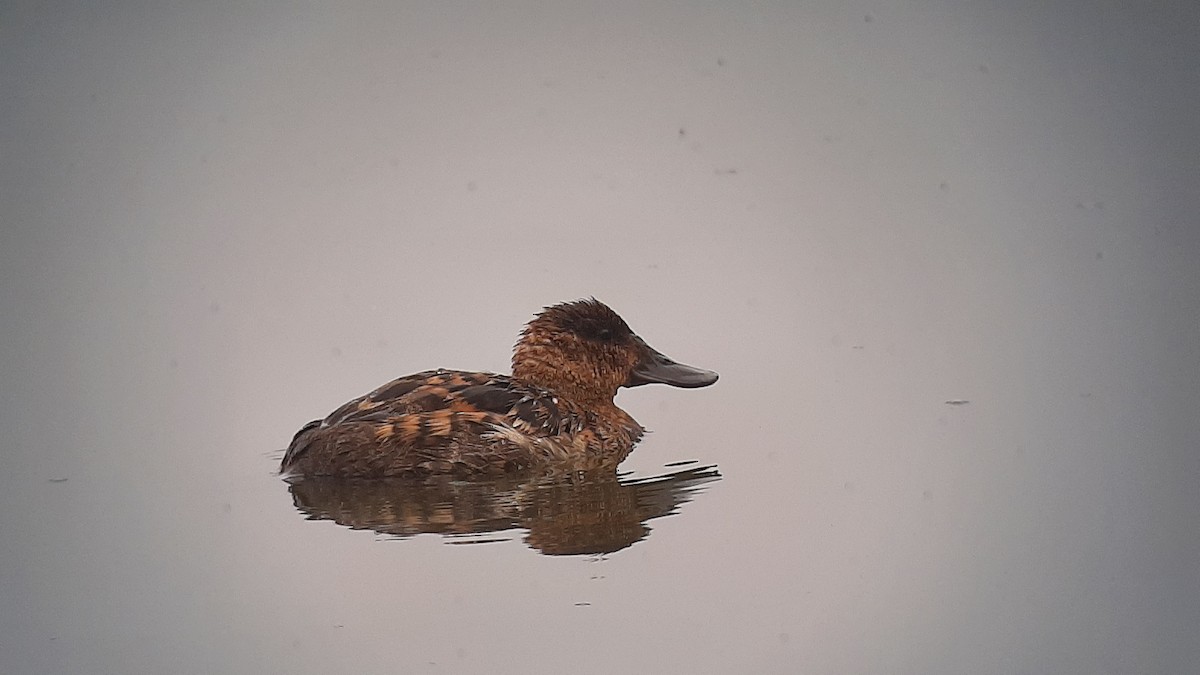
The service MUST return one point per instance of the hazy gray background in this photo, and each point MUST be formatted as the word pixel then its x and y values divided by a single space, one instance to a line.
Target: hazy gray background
pixel 219 222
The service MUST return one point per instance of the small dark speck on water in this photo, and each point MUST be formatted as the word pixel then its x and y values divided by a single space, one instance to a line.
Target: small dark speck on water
pixel 725 172
pixel 957 401
pixel 1099 255
pixel 944 186
pixel 58 480
pixel 868 18
pixel 857 347
pixel 583 604
pixel 682 133
pixel 720 61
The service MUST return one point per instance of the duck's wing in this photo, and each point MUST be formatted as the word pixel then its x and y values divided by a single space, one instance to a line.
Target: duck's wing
pixel 478 396
pixel 423 413
pixel 426 390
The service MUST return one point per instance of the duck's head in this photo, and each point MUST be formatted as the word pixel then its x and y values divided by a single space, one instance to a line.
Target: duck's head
pixel 585 351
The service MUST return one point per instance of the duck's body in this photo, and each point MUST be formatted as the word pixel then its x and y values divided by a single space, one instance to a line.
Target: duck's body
pixel 555 411
pixel 450 421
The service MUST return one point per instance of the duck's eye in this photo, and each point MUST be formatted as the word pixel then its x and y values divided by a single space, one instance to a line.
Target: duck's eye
pixel 604 335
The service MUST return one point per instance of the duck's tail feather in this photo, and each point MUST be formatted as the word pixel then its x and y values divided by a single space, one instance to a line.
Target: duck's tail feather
pixel 300 443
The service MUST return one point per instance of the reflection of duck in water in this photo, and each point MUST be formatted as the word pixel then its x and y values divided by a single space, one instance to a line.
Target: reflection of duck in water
pixel 563 515
pixel 555 412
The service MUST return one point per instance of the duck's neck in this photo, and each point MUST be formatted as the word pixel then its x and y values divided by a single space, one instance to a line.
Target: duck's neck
pixel 535 367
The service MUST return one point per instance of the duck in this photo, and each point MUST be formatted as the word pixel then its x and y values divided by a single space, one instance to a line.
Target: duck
pixel 554 413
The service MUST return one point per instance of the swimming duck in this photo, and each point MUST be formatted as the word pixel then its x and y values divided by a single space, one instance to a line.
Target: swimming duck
pixel 555 412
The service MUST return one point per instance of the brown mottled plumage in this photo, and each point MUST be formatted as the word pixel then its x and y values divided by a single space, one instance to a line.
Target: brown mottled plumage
pixel 555 411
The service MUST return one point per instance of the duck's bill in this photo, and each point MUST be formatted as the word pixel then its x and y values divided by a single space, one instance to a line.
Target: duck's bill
pixel 656 367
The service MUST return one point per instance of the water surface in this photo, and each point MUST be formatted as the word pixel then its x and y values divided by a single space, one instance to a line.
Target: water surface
pixel 943 256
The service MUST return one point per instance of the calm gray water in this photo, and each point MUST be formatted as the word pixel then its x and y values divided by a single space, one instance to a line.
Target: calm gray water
pixel 944 256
